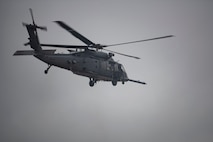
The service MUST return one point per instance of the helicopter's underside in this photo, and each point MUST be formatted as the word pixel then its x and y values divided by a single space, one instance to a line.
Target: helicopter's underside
pixel 94 77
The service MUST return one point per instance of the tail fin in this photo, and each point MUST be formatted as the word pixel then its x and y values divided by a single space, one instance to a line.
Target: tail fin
pixel 33 34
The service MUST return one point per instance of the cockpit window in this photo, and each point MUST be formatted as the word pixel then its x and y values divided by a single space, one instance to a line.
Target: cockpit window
pixel 121 68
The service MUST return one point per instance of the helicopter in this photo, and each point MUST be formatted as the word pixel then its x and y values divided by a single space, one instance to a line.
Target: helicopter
pixel 86 60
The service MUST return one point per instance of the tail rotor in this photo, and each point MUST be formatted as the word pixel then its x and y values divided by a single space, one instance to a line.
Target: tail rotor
pixel 44 28
pixel 33 34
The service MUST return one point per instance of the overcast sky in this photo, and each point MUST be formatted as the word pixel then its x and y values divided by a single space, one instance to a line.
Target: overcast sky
pixel 175 105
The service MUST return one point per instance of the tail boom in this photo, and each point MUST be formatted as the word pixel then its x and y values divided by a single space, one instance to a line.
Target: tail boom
pixel 33 52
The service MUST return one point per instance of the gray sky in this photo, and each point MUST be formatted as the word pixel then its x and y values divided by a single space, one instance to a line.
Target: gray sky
pixel 175 106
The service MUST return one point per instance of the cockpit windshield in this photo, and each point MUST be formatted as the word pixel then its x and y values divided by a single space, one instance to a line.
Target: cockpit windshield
pixel 121 68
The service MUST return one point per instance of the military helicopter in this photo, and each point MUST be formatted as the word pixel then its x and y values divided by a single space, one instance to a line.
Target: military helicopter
pixel 86 60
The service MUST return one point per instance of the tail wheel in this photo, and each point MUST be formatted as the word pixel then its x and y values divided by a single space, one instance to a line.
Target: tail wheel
pixel 46 71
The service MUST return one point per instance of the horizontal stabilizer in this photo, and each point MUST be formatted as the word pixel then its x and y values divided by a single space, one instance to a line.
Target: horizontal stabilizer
pixel 24 52
pixel 136 81
pixel 32 52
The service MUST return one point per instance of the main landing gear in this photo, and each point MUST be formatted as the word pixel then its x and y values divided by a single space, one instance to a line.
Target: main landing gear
pixel 114 82
pixel 46 71
pixel 92 82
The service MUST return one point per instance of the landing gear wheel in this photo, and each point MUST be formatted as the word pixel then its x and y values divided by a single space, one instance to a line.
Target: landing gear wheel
pixel 46 71
pixel 91 83
pixel 114 82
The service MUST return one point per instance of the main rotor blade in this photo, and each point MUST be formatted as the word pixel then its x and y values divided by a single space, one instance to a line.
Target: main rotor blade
pixel 31 13
pixel 139 41
pixel 75 33
pixel 122 54
pixel 66 46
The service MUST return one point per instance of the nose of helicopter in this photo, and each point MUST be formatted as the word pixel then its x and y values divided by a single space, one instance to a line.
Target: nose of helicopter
pixel 125 75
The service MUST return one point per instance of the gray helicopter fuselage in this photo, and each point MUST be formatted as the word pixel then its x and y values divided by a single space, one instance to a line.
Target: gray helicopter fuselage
pixel 89 63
